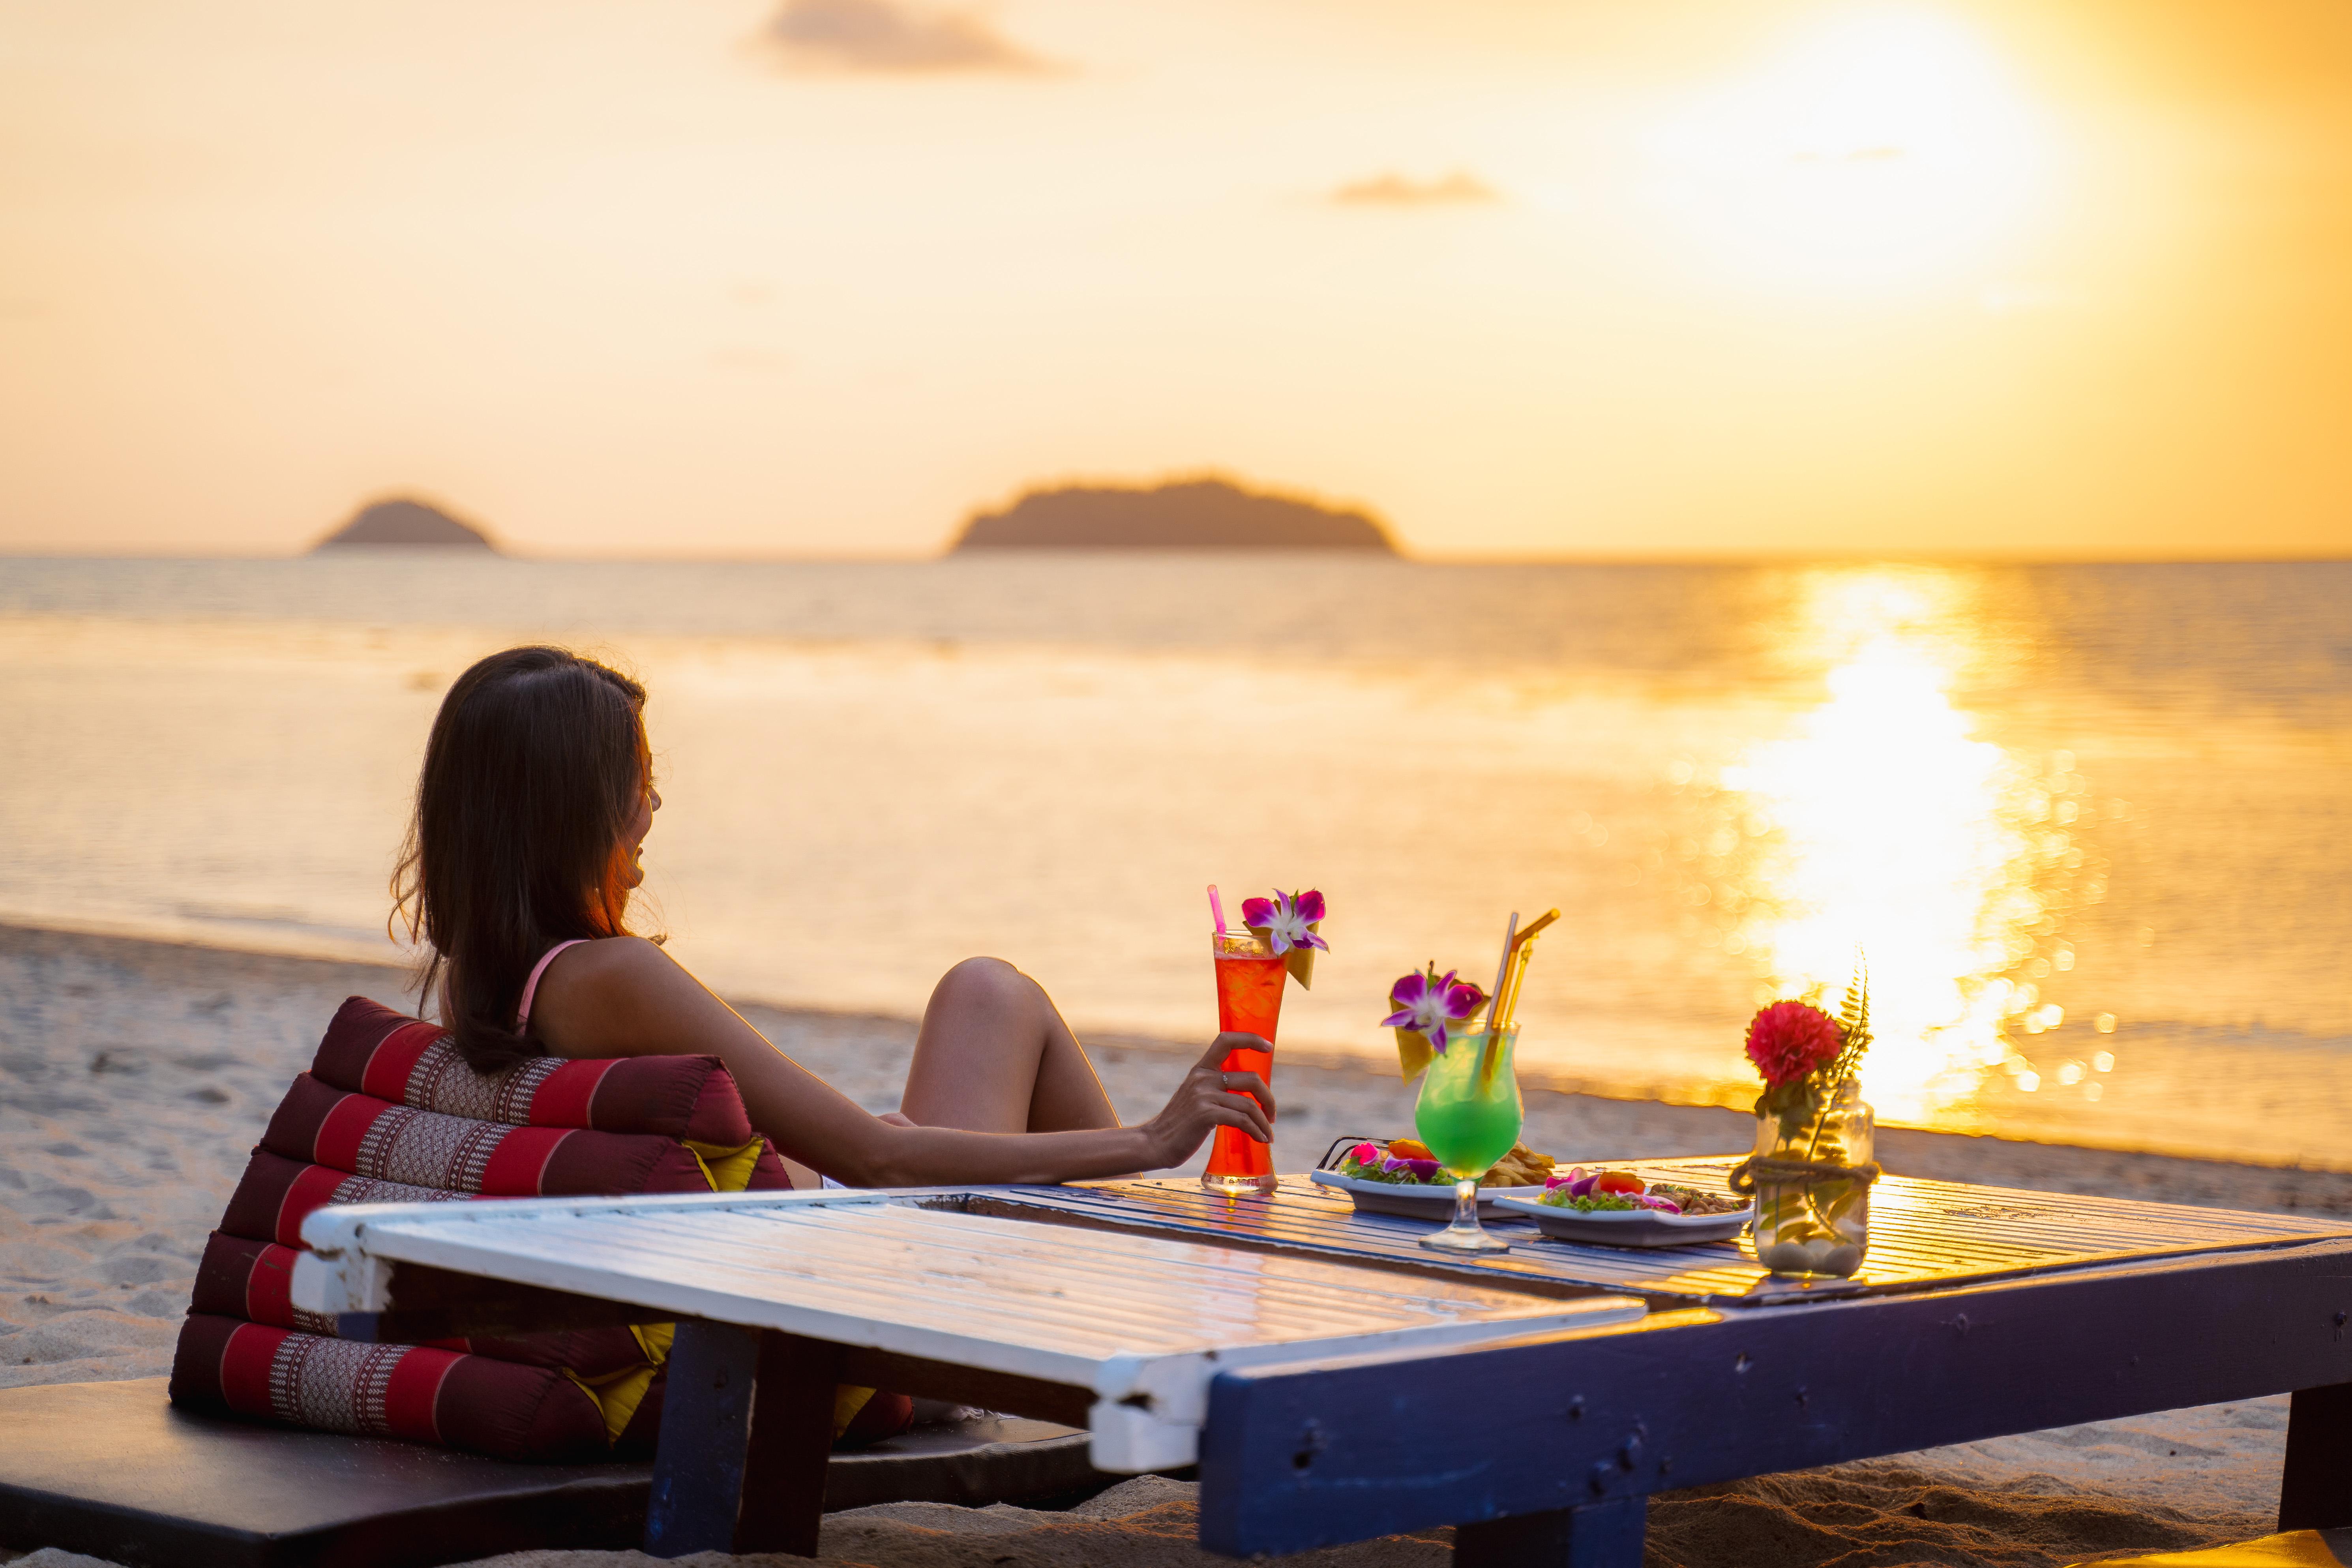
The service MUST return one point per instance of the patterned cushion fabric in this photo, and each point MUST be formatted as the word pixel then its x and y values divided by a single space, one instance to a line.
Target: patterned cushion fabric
pixel 417 1392
pixel 252 1279
pixel 276 1194
pixel 374 1138
pixel 371 1049
pixel 437 1131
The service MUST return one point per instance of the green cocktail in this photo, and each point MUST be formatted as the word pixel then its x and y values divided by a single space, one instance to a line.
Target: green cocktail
pixel 1469 1115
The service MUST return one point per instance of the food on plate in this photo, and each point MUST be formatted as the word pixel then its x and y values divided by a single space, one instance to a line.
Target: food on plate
pixel 1588 1190
pixel 1370 1162
pixel 1407 1162
pixel 1581 1182
pixel 1558 1198
pixel 1522 1167
pixel 1692 1200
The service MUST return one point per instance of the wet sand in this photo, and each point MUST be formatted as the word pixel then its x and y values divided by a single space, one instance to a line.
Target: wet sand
pixel 135 1076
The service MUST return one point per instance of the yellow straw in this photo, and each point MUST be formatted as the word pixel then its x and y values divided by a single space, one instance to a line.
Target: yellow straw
pixel 1522 949
pixel 1535 926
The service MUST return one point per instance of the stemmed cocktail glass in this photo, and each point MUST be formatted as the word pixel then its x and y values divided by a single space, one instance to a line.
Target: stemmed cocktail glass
pixel 1470 1112
pixel 1469 1115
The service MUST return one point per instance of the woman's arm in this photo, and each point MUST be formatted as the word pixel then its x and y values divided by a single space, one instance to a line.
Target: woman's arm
pixel 624 997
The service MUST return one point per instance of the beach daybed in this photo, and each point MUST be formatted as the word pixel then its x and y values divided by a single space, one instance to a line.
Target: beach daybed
pixel 114 1470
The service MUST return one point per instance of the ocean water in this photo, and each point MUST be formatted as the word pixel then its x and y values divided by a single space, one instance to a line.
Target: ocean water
pixel 2089 825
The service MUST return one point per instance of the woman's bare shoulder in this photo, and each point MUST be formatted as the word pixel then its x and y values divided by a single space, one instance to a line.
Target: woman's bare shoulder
pixel 609 960
pixel 617 995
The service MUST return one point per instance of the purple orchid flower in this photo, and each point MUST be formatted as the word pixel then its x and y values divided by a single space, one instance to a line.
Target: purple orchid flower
pixel 1426 1003
pixel 1285 919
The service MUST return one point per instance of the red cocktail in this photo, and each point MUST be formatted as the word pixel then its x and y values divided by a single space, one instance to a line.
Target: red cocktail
pixel 1250 978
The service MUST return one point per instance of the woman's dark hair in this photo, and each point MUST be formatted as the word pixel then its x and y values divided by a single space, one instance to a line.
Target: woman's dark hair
pixel 535 768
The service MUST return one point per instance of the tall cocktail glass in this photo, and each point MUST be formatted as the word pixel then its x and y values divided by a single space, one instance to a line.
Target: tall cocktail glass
pixel 1250 978
pixel 1469 1115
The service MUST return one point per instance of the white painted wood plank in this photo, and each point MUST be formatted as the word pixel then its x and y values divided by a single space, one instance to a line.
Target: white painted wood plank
pixel 1094 1286
pixel 1144 1323
pixel 1083 1307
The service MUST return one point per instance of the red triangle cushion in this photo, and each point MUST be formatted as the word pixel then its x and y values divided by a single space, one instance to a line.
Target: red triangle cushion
pixel 543 1397
pixel 390 1114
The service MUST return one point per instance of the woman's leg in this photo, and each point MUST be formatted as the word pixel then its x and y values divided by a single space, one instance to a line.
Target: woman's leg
pixel 995 1056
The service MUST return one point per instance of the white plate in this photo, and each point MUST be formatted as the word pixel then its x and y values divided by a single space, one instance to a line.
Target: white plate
pixel 1629 1227
pixel 1434 1202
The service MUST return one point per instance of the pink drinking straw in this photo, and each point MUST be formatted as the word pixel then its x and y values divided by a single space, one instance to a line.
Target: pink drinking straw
pixel 1494 1022
pixel 1217 908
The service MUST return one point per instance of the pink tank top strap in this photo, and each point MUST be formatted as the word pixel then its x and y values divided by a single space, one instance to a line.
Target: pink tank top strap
pixel 530 986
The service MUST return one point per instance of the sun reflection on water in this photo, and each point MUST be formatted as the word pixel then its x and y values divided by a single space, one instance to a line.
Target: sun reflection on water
pixel 1884 824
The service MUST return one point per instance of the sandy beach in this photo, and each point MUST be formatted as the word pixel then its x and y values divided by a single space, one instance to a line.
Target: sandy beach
pixel 134 1077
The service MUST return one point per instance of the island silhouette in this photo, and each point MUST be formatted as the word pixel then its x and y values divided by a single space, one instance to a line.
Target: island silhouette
pixel 1182 514
pixel 401 521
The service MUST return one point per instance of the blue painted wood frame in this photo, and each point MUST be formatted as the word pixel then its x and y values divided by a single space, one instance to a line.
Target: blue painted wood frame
pixel 1318 1454
pixel 746 1432
pixel 705 1432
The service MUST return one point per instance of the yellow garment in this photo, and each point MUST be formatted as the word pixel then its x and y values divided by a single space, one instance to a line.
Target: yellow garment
pixel 618 1396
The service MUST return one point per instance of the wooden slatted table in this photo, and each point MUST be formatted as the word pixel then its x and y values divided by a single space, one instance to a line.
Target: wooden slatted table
pixel 1338 1382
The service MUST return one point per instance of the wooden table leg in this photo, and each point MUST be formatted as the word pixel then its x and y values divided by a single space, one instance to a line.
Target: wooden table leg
pixel 706 1428
pixel 791 1438
pixel 2315 1491
pixel 746 1431
pixel 1604 1535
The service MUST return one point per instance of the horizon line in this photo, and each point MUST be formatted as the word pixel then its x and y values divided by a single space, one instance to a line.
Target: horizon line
pixel 1759 558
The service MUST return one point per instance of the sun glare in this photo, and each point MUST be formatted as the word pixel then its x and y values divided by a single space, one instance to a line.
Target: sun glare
pixel 1893 830
pixel 1881 150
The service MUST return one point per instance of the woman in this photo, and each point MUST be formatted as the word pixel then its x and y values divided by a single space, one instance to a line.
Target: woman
pixel 531 815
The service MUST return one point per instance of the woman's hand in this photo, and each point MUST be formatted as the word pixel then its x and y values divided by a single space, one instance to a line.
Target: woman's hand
pixel 1210 1098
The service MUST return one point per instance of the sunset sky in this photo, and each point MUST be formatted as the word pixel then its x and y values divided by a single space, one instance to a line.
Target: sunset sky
pixel 1555 278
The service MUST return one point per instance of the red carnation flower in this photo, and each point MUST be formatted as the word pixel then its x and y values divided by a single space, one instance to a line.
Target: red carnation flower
pixel 1790 1040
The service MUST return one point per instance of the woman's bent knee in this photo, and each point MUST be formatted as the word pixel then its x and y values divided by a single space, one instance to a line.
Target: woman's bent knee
pixel 987 983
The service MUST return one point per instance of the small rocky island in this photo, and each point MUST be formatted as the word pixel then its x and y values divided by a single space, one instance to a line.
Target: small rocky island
pixel 1186 514
pixel 405 522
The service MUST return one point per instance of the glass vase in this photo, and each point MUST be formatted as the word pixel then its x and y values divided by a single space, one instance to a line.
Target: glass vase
pixel 1812 1169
